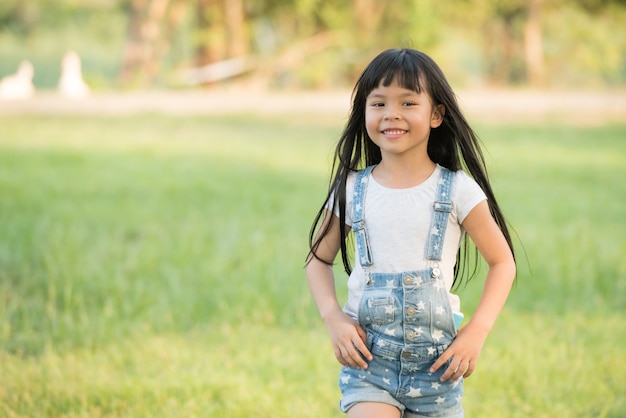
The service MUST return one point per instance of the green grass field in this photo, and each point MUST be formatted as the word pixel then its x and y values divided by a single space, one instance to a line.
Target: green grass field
pixel 152 266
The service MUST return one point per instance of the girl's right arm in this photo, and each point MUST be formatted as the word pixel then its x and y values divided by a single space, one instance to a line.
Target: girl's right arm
pixel 347 337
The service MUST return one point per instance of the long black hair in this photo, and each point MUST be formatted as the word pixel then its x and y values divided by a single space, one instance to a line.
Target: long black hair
pixel 453 144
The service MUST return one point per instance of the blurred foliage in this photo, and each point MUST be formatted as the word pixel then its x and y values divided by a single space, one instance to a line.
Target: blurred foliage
pixel 317 43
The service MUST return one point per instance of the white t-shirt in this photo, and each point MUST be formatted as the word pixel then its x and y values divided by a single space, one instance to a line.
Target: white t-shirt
pixel 398 225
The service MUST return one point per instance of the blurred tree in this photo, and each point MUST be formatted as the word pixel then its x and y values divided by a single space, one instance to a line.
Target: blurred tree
pixel 320 43
pixel 209 32
pixel 504 20
pixel 236 36
pixel 585 42
pixel 18 16
pixel 367 14
pixel 144 44
pixel 221 30
pixel 598 6
pixel 533 44
pixel 511 38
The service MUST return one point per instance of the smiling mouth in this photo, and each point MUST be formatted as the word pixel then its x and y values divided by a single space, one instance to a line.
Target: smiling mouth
pixel 394 132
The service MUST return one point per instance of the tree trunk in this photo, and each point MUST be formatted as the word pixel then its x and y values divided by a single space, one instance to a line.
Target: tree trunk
pixel 210 24
pixel 236 39
pixel 502 45
pixel 499 46
pixel 367 16
pixel 143 50
pixel 533 49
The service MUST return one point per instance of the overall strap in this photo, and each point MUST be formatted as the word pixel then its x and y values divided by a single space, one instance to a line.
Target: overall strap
pixel 442 208
pixel 358 224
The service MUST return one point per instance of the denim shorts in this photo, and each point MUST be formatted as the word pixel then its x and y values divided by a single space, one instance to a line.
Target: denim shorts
pixel 409 323
pixel 399 376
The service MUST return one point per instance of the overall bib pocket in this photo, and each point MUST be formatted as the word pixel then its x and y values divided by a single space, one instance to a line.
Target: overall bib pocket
pixel 377 309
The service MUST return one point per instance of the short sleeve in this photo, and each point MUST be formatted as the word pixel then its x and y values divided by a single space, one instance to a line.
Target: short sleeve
pixel 466 195
pixel 349 199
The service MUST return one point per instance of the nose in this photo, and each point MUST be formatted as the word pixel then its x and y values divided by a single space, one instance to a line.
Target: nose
pixel 391 113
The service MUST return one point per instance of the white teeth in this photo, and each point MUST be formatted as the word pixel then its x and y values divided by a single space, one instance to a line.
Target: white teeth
pixel 394 132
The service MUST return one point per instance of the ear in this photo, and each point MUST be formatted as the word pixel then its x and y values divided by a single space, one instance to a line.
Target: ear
pixel 437 117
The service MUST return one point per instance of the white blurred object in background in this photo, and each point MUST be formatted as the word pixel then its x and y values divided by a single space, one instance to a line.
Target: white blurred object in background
pixel 18 86
pixel 71 84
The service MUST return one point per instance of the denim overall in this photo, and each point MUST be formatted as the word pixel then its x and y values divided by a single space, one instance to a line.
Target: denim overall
pixel 409 323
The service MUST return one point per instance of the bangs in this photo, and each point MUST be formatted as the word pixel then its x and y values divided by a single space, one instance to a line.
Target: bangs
pixel 405 72
pixel 390 65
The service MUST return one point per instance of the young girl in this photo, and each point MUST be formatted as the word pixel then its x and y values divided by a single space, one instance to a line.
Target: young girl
pixel 398 184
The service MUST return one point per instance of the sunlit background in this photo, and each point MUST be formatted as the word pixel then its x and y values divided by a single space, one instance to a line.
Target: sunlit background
pixel 314 44
pixel 161 162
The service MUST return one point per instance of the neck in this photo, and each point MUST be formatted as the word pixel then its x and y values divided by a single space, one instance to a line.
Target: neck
pixel 401 173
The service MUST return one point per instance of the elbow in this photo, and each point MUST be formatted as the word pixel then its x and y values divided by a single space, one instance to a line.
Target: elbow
pixel 509 269
pixel 505 269
pixel 316 266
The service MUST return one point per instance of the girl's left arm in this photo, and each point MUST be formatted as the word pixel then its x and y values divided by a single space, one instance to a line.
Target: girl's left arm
pixel 465 349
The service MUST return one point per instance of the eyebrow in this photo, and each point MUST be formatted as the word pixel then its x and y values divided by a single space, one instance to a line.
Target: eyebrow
pixel 381 96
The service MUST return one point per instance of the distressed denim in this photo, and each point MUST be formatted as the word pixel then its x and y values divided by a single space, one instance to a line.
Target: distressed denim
pixel 409 324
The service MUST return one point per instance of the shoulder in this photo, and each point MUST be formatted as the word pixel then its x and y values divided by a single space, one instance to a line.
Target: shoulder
pixel 364 172
pixel 466 194
pixel 462 181
pixel 354 175
pixel 351 180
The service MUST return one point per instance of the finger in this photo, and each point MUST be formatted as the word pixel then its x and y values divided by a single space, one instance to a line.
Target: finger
pixel 457 371
pixel 440 362
pixel 448 373
pixel 340 358
pixel 349 356
pixel 362 333
pixel 470 369
pixel 363 350
pixel 347 360
pixel 452 371
pixel 355 358
pixel 460 371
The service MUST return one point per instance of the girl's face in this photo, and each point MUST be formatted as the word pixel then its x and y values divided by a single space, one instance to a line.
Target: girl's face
pixel 399 120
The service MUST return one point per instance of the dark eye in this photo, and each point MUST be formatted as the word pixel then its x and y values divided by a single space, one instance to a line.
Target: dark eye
pixel 377 104
pixel 409 104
